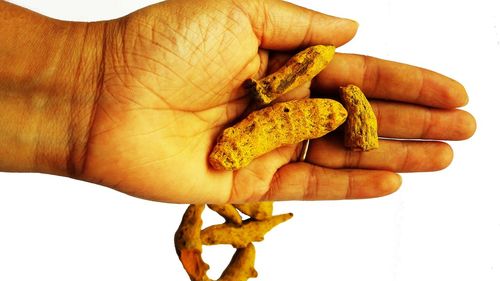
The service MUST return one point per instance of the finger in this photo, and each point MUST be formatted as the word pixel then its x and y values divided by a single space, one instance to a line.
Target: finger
pixel 392 155
pixel 252 182
pixel 283 26
pixel 389 80
pixel 303 181
pixel 264 62
pixel 397 120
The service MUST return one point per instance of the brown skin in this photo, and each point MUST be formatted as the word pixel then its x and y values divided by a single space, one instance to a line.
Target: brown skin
pixel 136 103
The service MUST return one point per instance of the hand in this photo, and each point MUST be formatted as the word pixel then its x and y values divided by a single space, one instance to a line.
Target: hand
pixel 137 103
pixel 172 80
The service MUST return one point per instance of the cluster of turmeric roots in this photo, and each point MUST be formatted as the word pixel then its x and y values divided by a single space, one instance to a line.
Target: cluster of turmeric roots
pixel 260 132
pixel 239 233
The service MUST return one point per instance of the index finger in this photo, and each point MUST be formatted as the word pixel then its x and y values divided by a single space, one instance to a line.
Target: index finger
pixel 280 25
pixel 389 80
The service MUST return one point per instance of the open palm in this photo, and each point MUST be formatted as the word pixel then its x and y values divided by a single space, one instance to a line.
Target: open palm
pixel 172 79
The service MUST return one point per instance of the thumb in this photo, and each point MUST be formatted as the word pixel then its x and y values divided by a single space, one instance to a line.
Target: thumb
pixel 281 25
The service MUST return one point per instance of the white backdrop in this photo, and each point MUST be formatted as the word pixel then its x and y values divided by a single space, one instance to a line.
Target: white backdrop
pixel 439 226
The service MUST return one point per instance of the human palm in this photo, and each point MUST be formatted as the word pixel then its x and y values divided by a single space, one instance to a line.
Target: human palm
pixel 172 81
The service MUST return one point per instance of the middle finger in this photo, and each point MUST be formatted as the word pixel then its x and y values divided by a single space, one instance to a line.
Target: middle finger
pixel 392 155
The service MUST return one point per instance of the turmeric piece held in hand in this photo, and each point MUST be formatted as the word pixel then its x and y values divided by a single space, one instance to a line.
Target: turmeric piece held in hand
pixel 361 126
pixel 300 69
pixel 269 128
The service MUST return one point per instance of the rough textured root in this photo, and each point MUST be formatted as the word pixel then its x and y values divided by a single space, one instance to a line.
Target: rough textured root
pixel 241 236
pixel 280 124
pixel 301 68
pixel 361 125
pixel 241 267
pixel 257 210
pixel 228 212
pixel 188 243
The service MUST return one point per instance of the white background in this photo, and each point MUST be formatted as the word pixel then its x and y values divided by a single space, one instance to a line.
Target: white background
pixel 439 226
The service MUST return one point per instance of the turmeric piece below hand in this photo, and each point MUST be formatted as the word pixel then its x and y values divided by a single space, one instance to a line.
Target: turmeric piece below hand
pixel 301 68
pixel 241 267
pixel 228 212
pixel 188 243
pixel 241 236
pixel 361 125
pixel 271 127
pixel 257 210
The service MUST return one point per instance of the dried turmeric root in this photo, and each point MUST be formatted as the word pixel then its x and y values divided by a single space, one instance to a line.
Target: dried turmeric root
pixel 241 267
pixel 241 236
pixel 189 239
pixel 301 68
pixel 257 210
pixel 361 125
pixel 188 243
pixel 266 129
pixel 228 212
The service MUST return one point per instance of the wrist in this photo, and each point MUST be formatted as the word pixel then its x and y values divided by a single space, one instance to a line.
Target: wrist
pixel 71 97
pixel 49 82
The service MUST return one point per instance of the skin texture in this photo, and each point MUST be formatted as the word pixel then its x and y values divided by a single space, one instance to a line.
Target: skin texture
pixel 136 103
